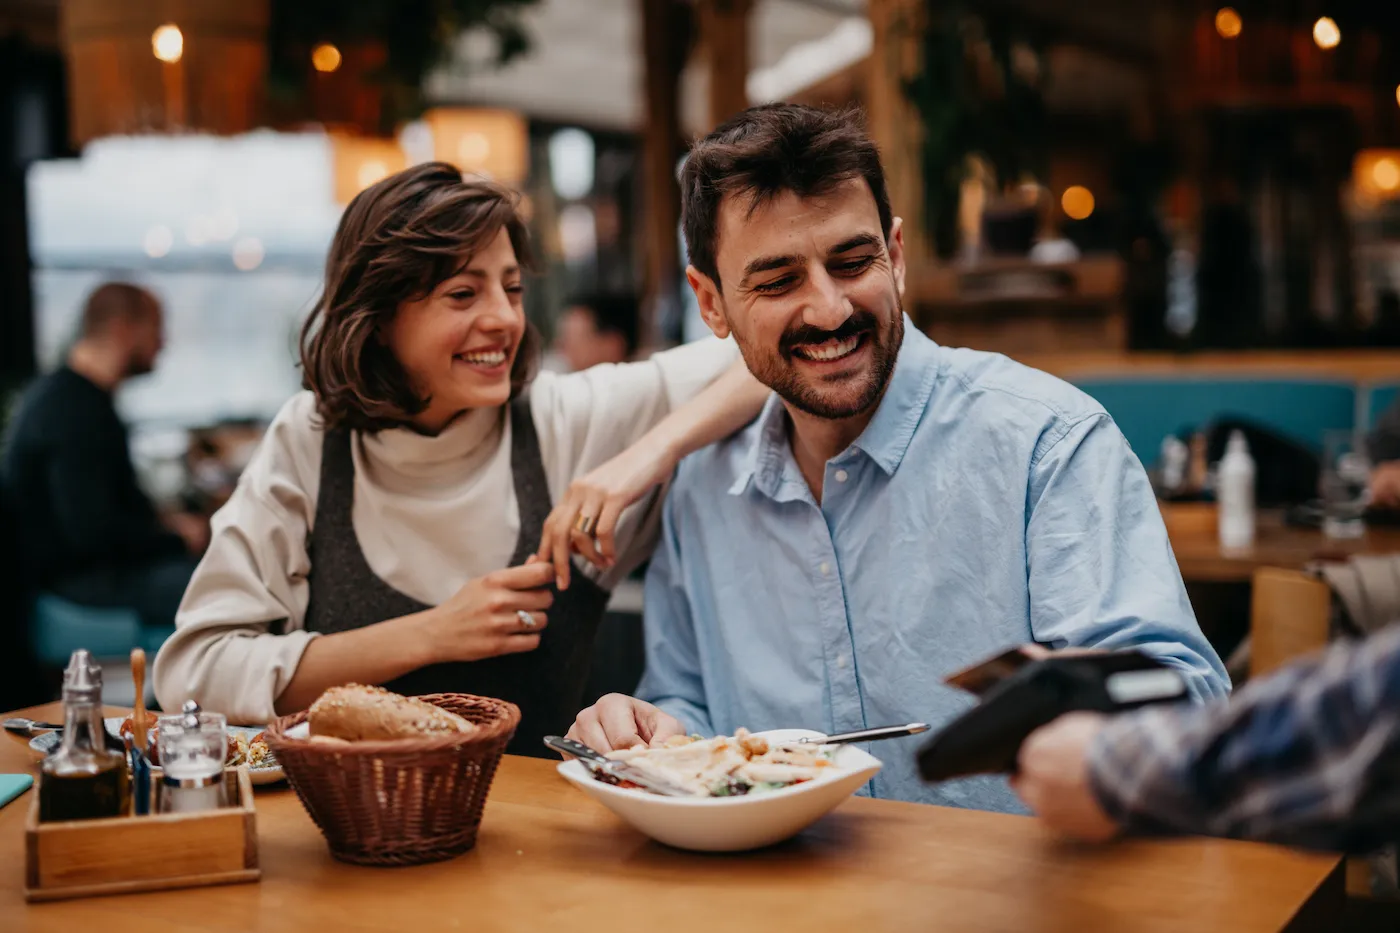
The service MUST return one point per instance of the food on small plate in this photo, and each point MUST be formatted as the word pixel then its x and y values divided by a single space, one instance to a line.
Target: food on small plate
pixel 259 755
pixel 726 766
pixel 356 713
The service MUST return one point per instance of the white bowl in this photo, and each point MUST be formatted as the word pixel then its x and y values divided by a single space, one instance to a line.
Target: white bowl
pixel 733 824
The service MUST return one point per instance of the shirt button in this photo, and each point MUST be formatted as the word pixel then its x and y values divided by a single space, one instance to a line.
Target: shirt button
pixel 842 476
pixel 825 568
pixel 841 662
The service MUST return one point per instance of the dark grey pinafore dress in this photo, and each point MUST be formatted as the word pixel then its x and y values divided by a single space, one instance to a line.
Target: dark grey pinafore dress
pixel 547 683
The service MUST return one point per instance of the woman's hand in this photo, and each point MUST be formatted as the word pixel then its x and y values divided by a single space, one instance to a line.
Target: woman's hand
pixel 486 617
pixel 585 520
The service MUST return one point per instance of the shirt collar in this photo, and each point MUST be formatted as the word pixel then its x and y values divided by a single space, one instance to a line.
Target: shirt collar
pixel 884 440
pixel 887 436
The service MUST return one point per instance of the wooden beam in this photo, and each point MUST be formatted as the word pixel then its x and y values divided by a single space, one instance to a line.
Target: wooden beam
pixel 724 31
pixel 663 27
pixel 894 123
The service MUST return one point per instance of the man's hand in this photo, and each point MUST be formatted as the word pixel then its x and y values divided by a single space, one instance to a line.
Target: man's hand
pixel 1385 485
pixel 1053 778
pixel 619 722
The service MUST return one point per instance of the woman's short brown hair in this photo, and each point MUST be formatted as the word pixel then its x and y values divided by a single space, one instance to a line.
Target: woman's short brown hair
pixel 397 241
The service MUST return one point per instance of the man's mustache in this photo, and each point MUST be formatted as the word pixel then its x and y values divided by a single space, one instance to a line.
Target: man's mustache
pixel 859 322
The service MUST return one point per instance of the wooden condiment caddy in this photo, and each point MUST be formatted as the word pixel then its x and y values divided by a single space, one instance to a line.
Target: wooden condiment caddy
pixel 127 854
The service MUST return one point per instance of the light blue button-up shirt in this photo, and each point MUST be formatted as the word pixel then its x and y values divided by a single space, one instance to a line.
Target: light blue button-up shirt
pixel 984 506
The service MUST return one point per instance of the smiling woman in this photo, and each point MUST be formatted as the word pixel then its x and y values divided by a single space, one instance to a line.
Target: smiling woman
pixel 386 531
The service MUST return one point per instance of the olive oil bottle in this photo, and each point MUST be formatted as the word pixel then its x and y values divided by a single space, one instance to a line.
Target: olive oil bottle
pixel 83 778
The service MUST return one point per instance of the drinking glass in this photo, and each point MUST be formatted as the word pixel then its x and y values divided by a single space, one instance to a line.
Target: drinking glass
pixel 1346 484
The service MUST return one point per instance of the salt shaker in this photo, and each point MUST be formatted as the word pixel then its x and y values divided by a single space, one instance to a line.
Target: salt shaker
pixel 193 745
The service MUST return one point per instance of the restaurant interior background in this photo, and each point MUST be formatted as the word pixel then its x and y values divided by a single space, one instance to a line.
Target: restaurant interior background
pixel 1192 211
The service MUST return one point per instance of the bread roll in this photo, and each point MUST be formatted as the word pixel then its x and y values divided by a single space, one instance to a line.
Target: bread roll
pixel 358 713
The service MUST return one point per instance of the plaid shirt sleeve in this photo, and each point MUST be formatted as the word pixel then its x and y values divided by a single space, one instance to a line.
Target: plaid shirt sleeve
pixel 1308 756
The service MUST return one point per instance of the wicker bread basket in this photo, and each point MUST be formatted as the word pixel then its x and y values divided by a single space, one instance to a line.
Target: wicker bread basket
pixel 400 802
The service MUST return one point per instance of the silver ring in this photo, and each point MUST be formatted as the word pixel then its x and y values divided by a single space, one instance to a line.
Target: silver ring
pixel 525 618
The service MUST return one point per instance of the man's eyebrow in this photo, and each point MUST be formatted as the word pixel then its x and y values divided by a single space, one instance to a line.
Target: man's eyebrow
pixel 856 242
pixel 769 263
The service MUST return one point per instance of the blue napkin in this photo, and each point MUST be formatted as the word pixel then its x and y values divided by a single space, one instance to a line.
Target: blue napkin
pixel 12 785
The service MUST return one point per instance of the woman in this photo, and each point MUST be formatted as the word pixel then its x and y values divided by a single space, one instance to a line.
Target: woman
pixel 391 528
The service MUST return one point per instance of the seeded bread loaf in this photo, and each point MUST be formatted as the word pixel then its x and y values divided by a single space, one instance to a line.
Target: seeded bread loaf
pixel 356 713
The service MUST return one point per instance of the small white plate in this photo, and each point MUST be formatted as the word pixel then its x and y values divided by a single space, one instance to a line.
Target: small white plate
pixel 44 741
pixel 733 824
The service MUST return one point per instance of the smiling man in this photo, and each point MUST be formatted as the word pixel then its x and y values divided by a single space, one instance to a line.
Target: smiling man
pixel 899 510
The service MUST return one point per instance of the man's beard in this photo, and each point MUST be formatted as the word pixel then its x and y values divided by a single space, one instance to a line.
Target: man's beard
pixel 780 373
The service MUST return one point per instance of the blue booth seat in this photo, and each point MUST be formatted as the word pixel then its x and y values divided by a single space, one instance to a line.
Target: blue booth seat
pixel 58 627
pixel 1149 408
pixel 1378 398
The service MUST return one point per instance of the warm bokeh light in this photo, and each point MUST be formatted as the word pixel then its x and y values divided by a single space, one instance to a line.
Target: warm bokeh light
pixel 325 57
pixel 1228 22
pixel 1386 174
pixel 370 172
pixel 481 141
pixel 360 161
pixel 1077 202
pixel 168 43
pixel 248 254
pixel 1397 93
pixel 1326 34
pixel 1375 175
pixel 473 149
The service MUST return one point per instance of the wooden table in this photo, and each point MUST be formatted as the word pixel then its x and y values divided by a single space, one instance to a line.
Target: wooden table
pixel 1194 539
pixel 549 858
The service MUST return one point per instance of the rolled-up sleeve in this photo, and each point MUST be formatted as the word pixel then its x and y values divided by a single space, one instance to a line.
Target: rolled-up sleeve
pixel 1101 569
pixel 585 419
pixel 238 635
pixel 674 680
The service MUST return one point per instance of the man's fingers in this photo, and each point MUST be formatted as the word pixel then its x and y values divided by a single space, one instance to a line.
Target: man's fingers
pixel 588 731
pixel 659 726
pixel 619 721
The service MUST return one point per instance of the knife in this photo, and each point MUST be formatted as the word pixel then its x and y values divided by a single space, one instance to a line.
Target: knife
pixel 594 760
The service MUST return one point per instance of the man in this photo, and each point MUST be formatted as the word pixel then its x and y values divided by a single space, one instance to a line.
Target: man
pixel 1308 756
pixel 598 329
pixel 899 510
pixel 90 533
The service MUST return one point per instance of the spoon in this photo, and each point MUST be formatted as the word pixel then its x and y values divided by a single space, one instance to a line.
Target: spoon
pixel 21 726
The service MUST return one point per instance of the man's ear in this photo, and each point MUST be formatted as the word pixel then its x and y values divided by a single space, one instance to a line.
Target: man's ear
pixel 711 304
pixel 896 250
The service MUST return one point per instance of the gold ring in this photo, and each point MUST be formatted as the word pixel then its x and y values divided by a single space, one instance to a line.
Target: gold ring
pixel 585 524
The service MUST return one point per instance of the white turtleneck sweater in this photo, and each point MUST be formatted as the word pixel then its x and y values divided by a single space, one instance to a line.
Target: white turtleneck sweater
pixel 431 513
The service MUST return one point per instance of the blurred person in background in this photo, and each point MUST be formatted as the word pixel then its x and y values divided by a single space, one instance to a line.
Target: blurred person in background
pixel 409 519
pixel 91 534
pixel 1308 756
pixel 597 329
